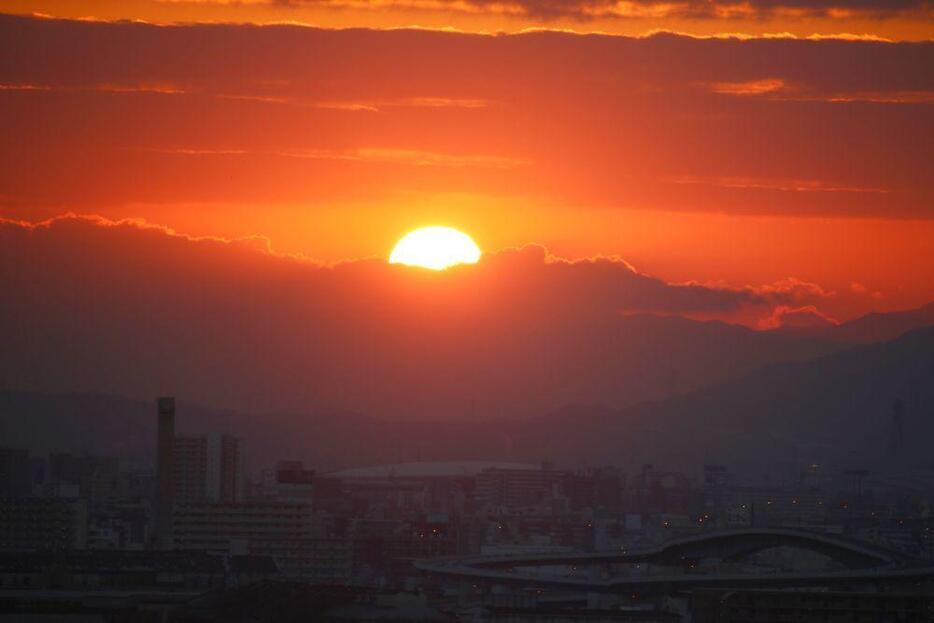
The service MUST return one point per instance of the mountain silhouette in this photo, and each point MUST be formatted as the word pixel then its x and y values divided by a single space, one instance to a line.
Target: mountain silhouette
pixel 834 408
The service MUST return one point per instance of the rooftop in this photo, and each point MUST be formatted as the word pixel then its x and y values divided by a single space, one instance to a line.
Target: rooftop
pixel 423 469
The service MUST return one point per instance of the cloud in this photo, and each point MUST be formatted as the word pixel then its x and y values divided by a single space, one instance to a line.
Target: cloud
pixel 877 97
pixel 860 289
pixel 611 124
pixel 656 9
pixel 806 186
pixel 175 89
pixel 749 87
pixel 806 317
pixel 703 18
pixel 162 89
pixel 777 89
pixel 792 290
pixel 407 102
pixel 408 156
pixel 133 308
pixel 24 87
pixel 365 154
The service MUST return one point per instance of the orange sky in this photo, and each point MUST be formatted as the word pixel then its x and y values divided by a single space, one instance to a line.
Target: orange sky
pixel 720 161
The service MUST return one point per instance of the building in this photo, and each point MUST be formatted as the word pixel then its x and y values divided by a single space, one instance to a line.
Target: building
pixel 388 546
pixel 669 492
pixel 230 528
pixel 192 470
pixel 293 483
pixel 716 481
pixel 111 575
pixel 207 468
pixel 288 532
pixel 777 507
pixel 97 477
pixel 15 479
pixel 33 524
pixel 594 488
pixel 515 488
pixel 165 485
pixel 316 560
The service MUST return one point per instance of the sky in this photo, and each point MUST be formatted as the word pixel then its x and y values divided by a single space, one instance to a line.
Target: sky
pixel 730 145
pixel 198 198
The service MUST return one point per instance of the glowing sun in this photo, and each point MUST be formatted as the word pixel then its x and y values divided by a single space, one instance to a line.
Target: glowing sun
pixel 436 248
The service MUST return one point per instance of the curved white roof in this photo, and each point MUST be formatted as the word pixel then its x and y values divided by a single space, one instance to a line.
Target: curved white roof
pixel 427 469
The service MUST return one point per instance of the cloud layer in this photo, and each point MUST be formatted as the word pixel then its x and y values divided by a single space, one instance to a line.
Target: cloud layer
pixel 660 9
pixel 114 113
pixel 744 160
pixel 627 16
pixel 130 308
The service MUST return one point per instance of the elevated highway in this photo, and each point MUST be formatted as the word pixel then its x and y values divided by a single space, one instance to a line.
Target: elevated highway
pixel 862 563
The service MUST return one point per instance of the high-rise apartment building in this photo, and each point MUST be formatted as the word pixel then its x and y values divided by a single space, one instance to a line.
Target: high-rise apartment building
pixel 208 468
pixel 192 470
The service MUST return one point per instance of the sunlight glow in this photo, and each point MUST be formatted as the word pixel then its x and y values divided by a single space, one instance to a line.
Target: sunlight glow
pixel 435 248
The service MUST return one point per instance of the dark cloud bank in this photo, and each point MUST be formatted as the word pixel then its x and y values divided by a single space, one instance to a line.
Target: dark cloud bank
pixel 136 310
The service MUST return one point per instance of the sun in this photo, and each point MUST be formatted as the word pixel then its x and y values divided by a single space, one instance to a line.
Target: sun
pixel 436 248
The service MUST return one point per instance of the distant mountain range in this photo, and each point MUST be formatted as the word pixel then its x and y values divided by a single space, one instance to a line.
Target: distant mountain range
pixel 512 372
pixel 836 407
pixel 873 327
pixel 515 371
pixel 136 311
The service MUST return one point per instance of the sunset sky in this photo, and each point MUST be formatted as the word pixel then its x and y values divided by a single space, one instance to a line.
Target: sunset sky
pixel 200 198
pixel 764 145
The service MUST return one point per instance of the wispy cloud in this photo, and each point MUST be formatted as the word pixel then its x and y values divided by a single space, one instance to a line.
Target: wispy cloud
pixel 792 290
pixel 167 88
pixel 785 185
pixel 161 88
pixel 627 9
pixel 146 87
pixel 779 89
pixel 748 87
pixel 366 154
pixel 24 87
pixel 879 97
pixel 405 102
pixel 410 157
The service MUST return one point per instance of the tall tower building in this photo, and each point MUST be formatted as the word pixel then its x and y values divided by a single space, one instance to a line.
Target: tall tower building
pixel 165 468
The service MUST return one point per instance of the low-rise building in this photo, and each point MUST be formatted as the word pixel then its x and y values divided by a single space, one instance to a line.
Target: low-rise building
pixel 43 523
pixel 288 532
